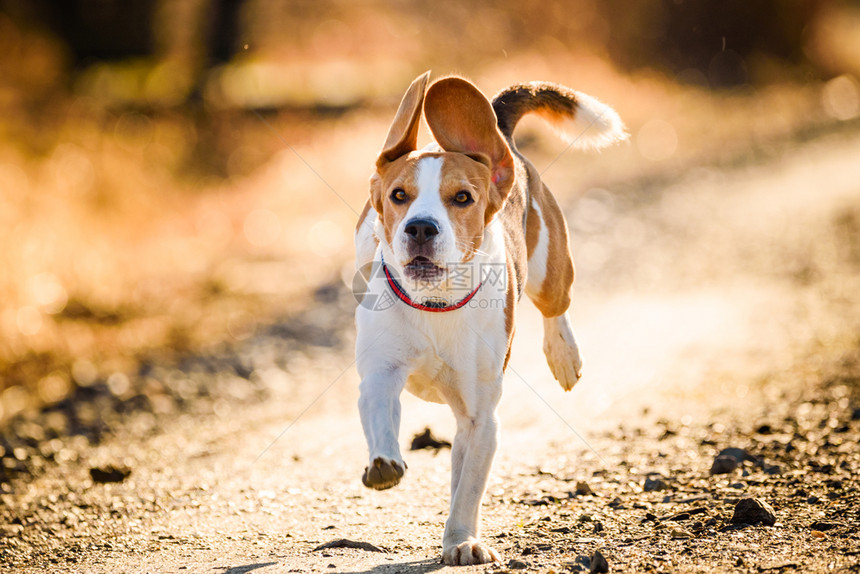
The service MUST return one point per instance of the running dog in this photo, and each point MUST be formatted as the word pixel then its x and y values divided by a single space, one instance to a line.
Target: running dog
pixel 451 237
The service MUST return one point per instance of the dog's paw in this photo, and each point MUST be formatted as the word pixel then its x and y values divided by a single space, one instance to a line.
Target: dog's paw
pixel 564 361
pixel 561 350
pixel 383 473
pixel 471 551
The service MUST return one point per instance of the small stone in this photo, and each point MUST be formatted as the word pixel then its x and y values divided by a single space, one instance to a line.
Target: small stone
pixel 680 533
pixel 581 564
pixel 427 440
pixel 517 564
pixel 654 484
pixel 724 464
pixel 11 530
pixel 583 489
pixel 598 527
pixel 822 525
pixel 598 562
pixel 738 454
pixel 818 534
pixel 753 511
pixel 110 473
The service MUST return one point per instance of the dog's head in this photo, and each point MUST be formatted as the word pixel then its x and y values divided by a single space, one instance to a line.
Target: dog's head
pixel 434 204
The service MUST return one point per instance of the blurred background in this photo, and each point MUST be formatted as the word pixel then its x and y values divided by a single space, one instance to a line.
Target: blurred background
pixel 175 175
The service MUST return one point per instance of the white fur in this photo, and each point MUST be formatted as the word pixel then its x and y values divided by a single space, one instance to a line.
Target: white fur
pixel 428 203
pixel 538 260
pixel 594 126
pixel 429 180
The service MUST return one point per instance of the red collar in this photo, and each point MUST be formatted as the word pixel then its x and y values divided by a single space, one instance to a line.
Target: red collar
pixel 434 307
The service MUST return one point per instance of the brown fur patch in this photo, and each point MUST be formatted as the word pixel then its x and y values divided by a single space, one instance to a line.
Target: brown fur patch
pixel 553 299
pixel 400 173
pixel 461 173
pixel 533 225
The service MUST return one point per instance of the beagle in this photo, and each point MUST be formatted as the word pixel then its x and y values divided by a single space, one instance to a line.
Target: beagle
pixel 451 237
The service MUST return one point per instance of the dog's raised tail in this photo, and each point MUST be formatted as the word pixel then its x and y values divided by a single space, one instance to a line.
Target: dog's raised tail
pixel 578 118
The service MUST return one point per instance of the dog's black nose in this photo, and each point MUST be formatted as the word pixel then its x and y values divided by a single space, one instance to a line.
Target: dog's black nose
pixel 422 230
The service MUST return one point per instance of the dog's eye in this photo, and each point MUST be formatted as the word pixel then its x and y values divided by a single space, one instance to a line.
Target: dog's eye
pixel 398 196
pixel 463 198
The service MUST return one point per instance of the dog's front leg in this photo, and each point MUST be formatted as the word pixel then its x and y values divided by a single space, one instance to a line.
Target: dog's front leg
pixel 379 406
pixel 471 458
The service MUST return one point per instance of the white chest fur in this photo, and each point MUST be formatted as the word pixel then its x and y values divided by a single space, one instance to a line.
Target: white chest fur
pixel 440 353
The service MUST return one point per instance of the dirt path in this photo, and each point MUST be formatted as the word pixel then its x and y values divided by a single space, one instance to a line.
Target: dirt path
pixel 719 312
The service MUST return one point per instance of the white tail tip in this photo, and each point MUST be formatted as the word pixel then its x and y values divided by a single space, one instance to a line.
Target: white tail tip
pixel 595 125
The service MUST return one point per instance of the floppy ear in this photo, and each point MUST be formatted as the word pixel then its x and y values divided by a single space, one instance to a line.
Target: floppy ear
pixel 462 120
pixel 403 133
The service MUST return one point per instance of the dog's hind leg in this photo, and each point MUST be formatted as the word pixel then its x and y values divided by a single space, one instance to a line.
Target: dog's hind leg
pixel 550 277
